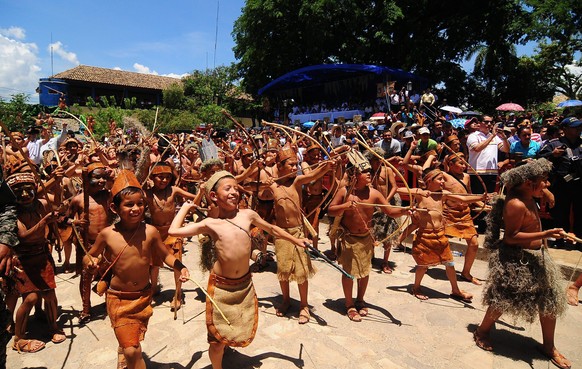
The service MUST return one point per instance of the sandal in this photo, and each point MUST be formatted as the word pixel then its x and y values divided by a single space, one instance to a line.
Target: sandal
pixel 556 358
pixel 58 336
pixel 416 293
pixel 482 341
pixel 282 309
pixel 304 315
pixel 84 318
pixel 386 269
pixel 470 279
pixel 29 346
pixel 362 308
pixel 175 305
pixel 354 315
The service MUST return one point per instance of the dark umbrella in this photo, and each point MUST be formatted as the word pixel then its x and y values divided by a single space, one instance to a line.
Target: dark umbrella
pixel 470 113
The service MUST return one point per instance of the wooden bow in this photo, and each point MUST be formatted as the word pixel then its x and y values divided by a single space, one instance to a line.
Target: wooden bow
pixel 282 127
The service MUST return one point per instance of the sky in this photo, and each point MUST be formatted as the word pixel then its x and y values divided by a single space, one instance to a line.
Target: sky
pixel 170 38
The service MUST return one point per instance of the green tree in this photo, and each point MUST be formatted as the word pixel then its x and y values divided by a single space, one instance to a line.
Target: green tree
pixel 174 96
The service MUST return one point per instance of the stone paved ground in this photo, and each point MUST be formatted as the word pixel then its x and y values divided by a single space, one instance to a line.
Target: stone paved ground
pixel 400 332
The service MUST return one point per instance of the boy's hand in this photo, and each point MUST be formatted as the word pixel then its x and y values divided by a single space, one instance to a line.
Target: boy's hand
pixel 554 233
pixel 303 242
pixel 184 275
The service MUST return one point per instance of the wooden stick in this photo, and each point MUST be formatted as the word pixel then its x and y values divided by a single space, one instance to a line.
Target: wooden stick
pixel 81 243
pixel 571 237
pixel 211 300
pixel 388 206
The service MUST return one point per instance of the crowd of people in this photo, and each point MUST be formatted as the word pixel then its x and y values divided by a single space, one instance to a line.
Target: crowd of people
pixel 126 203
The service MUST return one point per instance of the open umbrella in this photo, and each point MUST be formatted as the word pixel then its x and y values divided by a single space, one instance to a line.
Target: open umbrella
pixel 569 103
pixel 509 107
pixel 458 123
pixel 308 124
pixel 470 113
pixel 377 116
pixel 451 109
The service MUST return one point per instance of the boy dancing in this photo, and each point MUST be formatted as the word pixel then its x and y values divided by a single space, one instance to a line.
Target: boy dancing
pixel 230 281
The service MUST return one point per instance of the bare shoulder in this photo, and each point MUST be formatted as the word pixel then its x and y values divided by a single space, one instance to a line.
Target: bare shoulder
pixel 151 230
pixel 515 204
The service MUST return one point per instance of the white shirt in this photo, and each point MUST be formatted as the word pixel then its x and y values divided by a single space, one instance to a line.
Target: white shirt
pixel 484 161
pixel 34 151
pixel 337 141
pixel 53 143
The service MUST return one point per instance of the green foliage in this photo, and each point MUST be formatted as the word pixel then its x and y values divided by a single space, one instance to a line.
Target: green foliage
pixel 174 96
pixel 17 114
pixel 104 102
pixel 90 103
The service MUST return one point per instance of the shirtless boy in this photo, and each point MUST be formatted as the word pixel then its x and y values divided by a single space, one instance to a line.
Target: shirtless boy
pixel 384 180
pixel 98 217
pixel 431 246
pixel 161 200
pixel 458 222
pixel 357 250
pixel 230 278
pixel 519 257
pixel 129 246
pixel 35 276
pixel 292 263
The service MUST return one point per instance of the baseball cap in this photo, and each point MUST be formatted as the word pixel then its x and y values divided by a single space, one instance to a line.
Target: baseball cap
pixel 408 134
pixel 571 122
pixel 423 131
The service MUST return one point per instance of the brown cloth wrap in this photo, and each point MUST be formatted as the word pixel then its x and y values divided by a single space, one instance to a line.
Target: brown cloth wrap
pixel 357 253
pixel 129 313
pixel 459 222
pixel 293 263
pixel 238 301
pixel 37 272
pixel 431 247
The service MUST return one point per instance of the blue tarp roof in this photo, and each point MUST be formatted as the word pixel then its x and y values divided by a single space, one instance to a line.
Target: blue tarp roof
pixel 319 74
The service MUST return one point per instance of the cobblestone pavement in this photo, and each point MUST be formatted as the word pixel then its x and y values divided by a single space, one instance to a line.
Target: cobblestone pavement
pixel 400 331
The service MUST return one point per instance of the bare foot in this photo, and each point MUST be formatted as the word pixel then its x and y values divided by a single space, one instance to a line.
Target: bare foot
pixel 462 296
pixel 415 291
pixel 572 293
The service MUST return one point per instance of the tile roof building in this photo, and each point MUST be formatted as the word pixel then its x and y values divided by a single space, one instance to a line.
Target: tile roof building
pixel 79 83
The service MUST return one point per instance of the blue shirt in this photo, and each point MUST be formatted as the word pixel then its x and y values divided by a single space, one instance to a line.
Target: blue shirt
pixel 528 152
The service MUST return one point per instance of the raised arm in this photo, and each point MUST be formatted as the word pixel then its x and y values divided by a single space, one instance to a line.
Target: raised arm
pixel 192 229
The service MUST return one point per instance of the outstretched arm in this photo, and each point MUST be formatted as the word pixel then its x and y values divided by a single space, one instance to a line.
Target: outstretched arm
pixel 276 231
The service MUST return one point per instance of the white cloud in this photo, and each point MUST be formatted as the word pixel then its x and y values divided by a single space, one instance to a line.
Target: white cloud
pixel 117 68
pixel 13 32
pixel 139 68
pixel 19 70
pixel 143 69
pixel 58 49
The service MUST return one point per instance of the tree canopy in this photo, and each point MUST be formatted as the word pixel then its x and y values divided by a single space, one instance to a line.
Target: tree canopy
pixel 429 38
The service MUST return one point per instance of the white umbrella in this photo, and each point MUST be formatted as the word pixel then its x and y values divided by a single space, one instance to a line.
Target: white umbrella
pixel 452 109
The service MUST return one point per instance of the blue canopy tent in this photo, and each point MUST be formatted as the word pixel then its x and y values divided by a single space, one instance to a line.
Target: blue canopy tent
pixel 317 75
